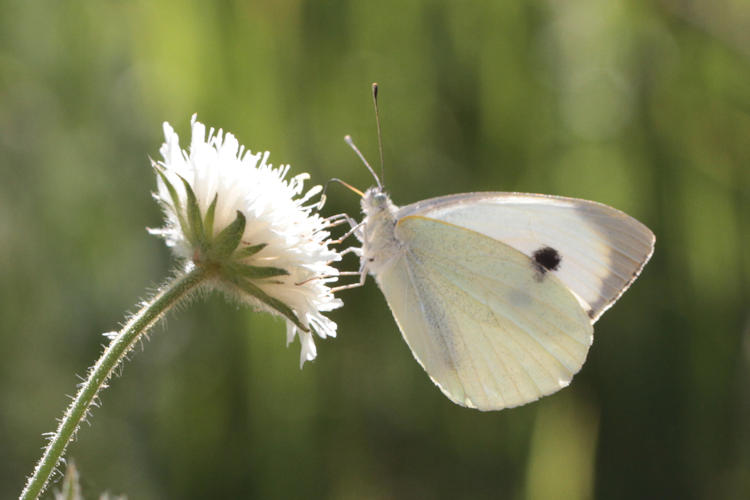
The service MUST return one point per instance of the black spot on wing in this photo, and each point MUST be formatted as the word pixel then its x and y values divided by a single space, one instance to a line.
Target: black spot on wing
pixel 546 259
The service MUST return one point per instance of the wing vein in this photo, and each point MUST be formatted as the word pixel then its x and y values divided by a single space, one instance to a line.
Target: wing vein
pixel 427 321
pixel 520 327
pixel 487 362
pixel 426 277
pixel 519 345
pixel 507 284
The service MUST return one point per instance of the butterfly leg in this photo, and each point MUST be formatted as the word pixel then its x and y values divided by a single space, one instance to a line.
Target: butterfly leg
pixel 355 229
pixel 361 282
pixel 342 273
pixel 338 219
pixel 355 250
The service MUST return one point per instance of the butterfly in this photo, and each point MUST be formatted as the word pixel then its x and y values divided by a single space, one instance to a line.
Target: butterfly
pixel 496 293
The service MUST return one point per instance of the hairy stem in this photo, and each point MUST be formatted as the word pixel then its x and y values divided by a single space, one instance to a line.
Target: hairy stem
pixel 99 374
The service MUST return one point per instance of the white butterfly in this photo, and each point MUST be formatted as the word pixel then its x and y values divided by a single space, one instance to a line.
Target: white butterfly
pixel 496 294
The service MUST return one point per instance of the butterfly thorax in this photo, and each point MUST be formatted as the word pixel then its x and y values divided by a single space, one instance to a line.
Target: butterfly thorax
pixel 379 244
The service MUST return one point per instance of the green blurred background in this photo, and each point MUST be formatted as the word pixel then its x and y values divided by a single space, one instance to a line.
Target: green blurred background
pixel 641 105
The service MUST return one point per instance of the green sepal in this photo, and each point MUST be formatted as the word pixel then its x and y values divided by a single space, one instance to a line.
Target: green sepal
pixel 248 251
pixel 173 195
pixel 256 272
pixel 196 234
pixel 227 241
pixel 208 222
pixel 259 294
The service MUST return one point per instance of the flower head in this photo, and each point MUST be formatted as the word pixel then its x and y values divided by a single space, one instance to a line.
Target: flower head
pixel 230 211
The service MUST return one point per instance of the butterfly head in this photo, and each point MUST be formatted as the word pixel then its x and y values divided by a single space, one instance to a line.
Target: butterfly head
pixel 375 201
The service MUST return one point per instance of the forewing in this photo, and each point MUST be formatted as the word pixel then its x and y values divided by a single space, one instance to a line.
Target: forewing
pixel 602 249
pixel 490 328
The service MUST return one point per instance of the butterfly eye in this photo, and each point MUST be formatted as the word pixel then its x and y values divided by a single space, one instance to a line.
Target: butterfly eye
pixel 380 198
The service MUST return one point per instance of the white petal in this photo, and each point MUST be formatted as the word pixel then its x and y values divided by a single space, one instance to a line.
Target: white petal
pixel 308 351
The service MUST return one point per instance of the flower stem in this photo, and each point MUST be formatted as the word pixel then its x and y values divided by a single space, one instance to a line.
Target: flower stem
pixel 99 374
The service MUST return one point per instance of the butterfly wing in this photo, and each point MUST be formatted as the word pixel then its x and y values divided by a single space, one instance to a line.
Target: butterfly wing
pixel 601 249
pixel 490 328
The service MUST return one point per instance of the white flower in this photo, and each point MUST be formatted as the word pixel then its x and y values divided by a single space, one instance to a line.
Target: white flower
pixel 229 210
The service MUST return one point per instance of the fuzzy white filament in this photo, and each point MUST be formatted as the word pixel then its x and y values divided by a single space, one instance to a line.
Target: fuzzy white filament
pixel 278 218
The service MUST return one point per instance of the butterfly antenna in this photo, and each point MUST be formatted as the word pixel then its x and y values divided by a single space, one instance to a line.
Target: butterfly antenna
pixel 377 122
pixel 349 141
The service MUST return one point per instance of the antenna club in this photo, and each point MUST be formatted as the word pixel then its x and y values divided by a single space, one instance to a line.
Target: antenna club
pixel 375 89
pixel 348 139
